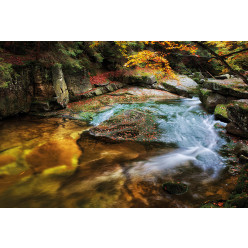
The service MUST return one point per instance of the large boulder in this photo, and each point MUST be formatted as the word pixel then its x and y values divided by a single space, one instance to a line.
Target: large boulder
pixel 220 113
pixel 184 86
pixel 211 99
pixel 229 87
pixel 77 83
pixel 60 86
pixel 130 125
pixel 237 112
pixel 16 95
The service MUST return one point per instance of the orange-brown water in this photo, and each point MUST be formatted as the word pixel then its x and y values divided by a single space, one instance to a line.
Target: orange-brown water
pixel 42 164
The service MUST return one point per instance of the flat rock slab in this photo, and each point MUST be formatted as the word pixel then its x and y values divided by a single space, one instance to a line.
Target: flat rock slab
pixel 229 87
pixel 130 125
pixel 184 86
pixel 137 91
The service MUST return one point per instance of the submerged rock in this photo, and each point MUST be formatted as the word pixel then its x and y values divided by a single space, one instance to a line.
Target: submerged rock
pixel 131 125
pixel 6 159
pixel 175 188
pixel 52 154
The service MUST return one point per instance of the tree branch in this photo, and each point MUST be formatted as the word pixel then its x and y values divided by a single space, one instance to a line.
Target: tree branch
pixel 222 60
pixel 230 54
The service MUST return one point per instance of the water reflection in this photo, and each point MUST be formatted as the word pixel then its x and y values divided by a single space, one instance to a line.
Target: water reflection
pixel 87 172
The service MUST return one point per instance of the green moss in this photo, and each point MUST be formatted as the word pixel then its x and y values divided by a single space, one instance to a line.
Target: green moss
pixel 220 109
pixel 87 116
pixel 205 92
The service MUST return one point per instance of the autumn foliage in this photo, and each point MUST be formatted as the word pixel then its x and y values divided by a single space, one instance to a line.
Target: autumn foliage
pixel 157 59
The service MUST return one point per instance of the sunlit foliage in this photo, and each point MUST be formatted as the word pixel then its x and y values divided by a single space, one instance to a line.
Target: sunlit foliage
pixel 155 57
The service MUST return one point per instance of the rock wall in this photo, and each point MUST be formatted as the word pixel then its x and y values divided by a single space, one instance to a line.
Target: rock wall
pixel 16 96
pixel 77 83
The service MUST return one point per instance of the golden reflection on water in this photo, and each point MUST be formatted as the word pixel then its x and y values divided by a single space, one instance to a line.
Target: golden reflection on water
pixel 45 163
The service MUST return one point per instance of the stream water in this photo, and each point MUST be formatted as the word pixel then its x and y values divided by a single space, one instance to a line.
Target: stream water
pixel 123 175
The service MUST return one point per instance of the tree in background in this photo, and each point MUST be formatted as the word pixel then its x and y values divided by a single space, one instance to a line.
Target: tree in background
pixel 233 55
pixel 155 56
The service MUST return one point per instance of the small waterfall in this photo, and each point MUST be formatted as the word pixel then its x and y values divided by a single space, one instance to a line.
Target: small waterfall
pixel 185 124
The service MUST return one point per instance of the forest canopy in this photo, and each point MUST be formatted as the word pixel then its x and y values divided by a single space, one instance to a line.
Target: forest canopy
pixel 166 57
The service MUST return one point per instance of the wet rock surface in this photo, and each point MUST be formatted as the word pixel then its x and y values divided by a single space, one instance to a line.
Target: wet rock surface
pixel 184 86
pixel 129 125
pixel 56 163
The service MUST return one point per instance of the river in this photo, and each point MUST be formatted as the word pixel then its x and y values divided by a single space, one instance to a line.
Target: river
pixel 104 175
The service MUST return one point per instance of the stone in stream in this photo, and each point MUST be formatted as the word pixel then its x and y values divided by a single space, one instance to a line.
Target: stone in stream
pixel 132 125
pixel 175 188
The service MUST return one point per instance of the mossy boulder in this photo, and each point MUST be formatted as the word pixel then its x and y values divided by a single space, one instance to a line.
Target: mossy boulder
pixel 133 125
pixel 237 112
pixel 220 113
pixel 175 188
pixel 87 116
pixel 211 99
pixel 229 87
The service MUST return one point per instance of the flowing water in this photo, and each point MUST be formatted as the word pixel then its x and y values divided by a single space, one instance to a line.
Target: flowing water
pixel 115 175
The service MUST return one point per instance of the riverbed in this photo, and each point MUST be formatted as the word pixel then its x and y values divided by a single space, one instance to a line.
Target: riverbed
pixel 42 164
